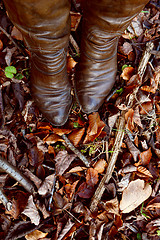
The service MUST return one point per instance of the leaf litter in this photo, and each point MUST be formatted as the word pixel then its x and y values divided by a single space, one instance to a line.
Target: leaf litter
pixel 54 201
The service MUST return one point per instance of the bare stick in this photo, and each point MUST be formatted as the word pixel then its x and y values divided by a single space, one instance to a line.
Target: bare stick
pixel 5 201
pixel 75 150
pixel 118 143
pixel 120 134
pixel 17 175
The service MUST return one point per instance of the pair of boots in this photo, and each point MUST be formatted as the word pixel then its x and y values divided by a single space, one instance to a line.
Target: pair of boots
pixel 45 25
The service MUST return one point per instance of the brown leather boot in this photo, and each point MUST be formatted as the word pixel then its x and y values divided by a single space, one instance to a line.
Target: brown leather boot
pixel 45 25
pixel 103 23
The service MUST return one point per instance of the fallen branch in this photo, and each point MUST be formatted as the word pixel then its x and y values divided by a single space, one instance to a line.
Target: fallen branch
pixel 117 145
pixel 120 134
pixel 17 175
pixel 5 201
pixel 76 151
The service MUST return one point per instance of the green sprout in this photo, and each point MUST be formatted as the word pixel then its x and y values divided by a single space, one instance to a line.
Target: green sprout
pixel 10 71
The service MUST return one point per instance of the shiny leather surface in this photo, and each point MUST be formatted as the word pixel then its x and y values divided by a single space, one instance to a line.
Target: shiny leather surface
pixel 45 25
pixel 103 22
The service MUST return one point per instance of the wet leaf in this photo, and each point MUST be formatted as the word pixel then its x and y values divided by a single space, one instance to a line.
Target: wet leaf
pixel 32 212
pixel 136 193
pixel 63 160
pixel 92 177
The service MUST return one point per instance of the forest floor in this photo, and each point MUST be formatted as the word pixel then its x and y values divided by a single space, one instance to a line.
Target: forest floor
pixel 98 176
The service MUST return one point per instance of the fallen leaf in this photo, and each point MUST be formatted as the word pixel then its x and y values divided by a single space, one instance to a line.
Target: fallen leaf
pixel 16 34
pixel 1 45
pixel 53 138
pixel 129 120
pixel 92 177
pixel 144 171
pixel 70 64
pixel 136 193
pixel 154 83
pixel 136 117
pixel 32 212
pixel 75 20
pixel 100 165
pixel 85 191
pixel 132 148
pixel 76 136
pixel 63 160
pixel 36 235
pixel 77 169
pixel 47 185
pixel 146 107
pixel 126 48
pixel 145 157
pixel 127 73
pixel 112 206
pixel 36 156
pixel 95 127
pixel 66 229
pixel 158 134
pixel 70 189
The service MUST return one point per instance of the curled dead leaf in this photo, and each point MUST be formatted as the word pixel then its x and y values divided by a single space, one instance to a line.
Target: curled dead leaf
pixel 36 235
pixel 127 73
pixel 76 136
pixel 144 171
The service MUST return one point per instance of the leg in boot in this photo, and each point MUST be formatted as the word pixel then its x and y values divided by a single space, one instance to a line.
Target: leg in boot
pixel 104 21
pixel 45 25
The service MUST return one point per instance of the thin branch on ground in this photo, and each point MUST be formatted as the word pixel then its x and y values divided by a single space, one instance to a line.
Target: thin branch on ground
pixel 76 151
pixel 17 175
pixel 5 201
pixel 120 133
pixel 11 39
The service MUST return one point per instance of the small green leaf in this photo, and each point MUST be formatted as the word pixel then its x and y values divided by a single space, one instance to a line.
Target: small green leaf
pixel 76 125
pixel 9 75
pixel 10 71
pixel 125 66
pixel 19 76
pixel 119 90
pixel 139 237
pixel 158 232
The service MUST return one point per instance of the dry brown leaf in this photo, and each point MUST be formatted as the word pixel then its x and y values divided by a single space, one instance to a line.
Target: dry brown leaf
pixel 77 169
pixel 70 64
pixel 66 229
pixel 32 212
pixel 47 185
pixel 146 107
pixel 53 138
pixel 127 73
pixel 126 48
pixel 146 156
pixel 136 193
pixel 85 191
pixel 154 83
pixel 32 177
pixel 95 127
pixel 76 136
pixel 70 189
pixel 36 235
pixel 92 177
pixel 144 171
pixel 1 45
pixel 158 134
pixel 63 160
pixel 75 20
pixel 112 206
pixel 132 148
pixel 16 34
pixel 129 119
pixel 100 165
pixel 136 117
pixel 61 131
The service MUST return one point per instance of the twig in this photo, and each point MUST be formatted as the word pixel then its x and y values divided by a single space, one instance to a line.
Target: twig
pixel 118 142
pixel 74 44
pixel 5 201
pixel 75 150
pixel 52 192
pixel 120 133
pixel 11 39
pixel 17 175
